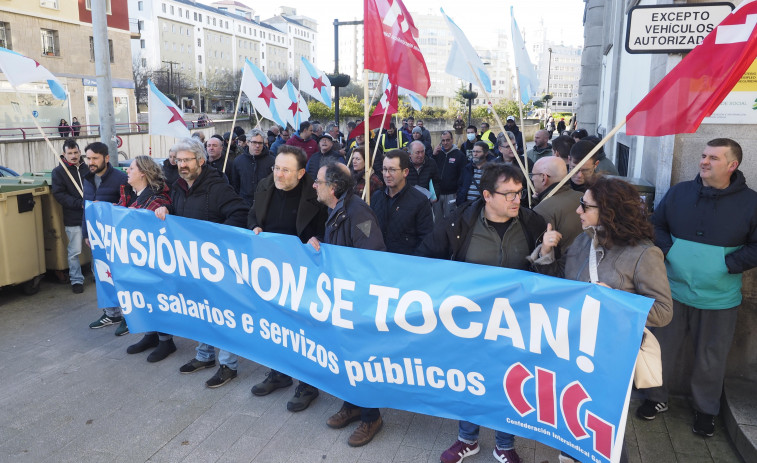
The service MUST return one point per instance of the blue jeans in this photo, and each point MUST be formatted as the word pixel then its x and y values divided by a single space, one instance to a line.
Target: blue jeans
pixel 468 432
pixel 74 249
pixel 206 353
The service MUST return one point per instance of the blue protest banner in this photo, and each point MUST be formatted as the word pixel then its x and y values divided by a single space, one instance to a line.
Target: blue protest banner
pixel 540 357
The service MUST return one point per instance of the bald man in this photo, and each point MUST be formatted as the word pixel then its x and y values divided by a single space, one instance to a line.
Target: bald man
pixel 541 148
pixel 560 208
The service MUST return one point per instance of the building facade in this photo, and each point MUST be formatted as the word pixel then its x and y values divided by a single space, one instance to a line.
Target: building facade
pixel 58 34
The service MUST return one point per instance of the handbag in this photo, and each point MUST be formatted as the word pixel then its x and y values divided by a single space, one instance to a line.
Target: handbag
pixel 648 370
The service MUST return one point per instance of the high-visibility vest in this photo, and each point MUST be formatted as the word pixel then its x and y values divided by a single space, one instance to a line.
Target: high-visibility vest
pixel 485 137
pixel 400 143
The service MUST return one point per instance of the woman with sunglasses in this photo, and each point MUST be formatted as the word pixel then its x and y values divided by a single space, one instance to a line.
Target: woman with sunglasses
pixel 619 236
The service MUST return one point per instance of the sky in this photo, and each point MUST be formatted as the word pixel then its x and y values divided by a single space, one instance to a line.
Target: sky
pixel 479 19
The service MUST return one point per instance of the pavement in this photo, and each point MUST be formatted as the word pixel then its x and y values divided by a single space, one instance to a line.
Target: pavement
pixel 72 394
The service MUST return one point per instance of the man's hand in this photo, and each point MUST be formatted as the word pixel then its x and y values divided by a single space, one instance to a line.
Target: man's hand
pixel 86 241
pixel 161 212
pixel 257 230
pixel 550 240
pixel 315 243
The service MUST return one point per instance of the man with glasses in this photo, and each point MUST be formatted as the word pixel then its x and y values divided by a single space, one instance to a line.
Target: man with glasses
pixel 469 187
pixel 202 193
pixel 286 203
pixel 560 208
pixel 507 156
pixel 251 167
pixel 492 230
pixel 403 212
pixel 581 179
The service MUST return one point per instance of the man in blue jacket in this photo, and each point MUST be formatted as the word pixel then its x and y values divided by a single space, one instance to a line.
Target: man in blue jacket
pixel 707 229
pixel 103 183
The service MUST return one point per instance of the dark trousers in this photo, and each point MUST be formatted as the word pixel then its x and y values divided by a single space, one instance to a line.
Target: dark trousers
pixel 711 331
pixel 367 415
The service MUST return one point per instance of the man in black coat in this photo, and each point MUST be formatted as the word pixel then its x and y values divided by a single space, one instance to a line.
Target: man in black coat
pixel 72 202
pixel 403 212
pixel 286 203
pixel 451 162
pixel 423 170
pixel 170 169
pixel 202 193
pixel 251 167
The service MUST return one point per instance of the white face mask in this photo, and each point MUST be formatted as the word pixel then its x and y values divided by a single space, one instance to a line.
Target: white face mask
pixel 471 136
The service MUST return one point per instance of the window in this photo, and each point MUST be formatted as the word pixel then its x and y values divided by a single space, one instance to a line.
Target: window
pixel 200 75
pixel 180 12
pixel 140 6
pixel 214 21
pixel 173 27
pixel 141 25
pixel 88 5
pixel 199 42
pixel 171 9
pixel 50 44
pixel 144 62
pixel 110 49
pixel 195 15
pixel 187 14
pixel 199 17
pixel 187 32
pixel 5 36
pixel 142 43
pixel 49 3
pixel 164 8
pixel 199 59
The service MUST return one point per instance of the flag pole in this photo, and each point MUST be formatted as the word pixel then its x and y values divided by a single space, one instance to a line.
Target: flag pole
pixel 50 144
pixel 587 157
pixel 509 142
pixel 231 134
pixel 256 116
pixel 367 127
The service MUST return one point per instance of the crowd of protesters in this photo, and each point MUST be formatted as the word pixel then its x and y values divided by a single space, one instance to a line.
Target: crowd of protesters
pixel 477 196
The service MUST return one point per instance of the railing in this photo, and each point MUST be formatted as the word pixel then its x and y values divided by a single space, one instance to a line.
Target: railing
pixel 25 133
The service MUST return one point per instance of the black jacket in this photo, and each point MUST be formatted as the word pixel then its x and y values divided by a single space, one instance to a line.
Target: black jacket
pixel 314 163
pixel 109 191
pixel 218 165
pixel 405 220
pixel 450 165
pixel 66 193
pixel 450 239
pixel 466 178
pixel 352 223
pixel 249 171
pixel 170 172
pixel 429 173
pixel 209 198
pixel 311 215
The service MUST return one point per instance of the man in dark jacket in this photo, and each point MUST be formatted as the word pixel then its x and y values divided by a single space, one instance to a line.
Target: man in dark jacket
pixel 325 152
pixel 492 230
pixel 251 167
pixel 280 140
pixel 103 183
pixel 286 203
pixel 423 170
pixel 304 139
pixel 450 162
pixel 707 228
pixel 403 212
pixel 469 187
pixel 216 148
pixel 351 223
pixel 510 126
pixel 170 169
pixel 65 191
pixel 201 193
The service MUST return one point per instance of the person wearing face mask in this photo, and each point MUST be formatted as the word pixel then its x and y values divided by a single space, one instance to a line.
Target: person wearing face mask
pixel 471 137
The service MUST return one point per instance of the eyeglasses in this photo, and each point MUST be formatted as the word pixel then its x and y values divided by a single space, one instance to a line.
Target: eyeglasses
pixel 320 182
pixel 390 170
pixel 510 195
pixel 533 174
pixel 185 160
pixel 283 170
pixel 584 206
pixel 256 142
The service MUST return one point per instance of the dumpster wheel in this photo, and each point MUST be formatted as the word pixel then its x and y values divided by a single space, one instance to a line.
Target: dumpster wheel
pixel 32 286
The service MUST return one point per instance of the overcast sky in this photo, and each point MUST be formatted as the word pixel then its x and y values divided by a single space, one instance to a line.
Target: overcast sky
pixel 479 19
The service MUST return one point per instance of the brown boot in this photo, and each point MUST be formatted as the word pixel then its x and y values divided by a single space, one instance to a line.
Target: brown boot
pixel 343 417
pixel 365 432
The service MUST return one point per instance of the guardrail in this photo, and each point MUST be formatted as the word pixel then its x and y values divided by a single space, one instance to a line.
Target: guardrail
pixel 25 133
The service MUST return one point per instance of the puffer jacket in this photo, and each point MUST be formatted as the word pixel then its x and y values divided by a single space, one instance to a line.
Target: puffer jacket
pixel 66 193
pixel 209 198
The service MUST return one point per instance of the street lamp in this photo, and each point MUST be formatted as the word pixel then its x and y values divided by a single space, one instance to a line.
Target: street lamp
pixel 549 74
pixel 343 80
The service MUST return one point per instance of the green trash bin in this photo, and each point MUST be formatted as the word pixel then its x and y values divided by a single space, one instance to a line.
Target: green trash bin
pixel 22 253
pixel 56 241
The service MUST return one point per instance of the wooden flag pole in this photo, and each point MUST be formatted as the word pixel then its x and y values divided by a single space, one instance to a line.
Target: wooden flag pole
pixel 50 144
pixel 367 127
pixel 587 157
pixel 231 134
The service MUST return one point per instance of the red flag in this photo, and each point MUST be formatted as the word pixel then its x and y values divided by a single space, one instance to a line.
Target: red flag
pixel 390 45
pixel 700 82
pixel 388 104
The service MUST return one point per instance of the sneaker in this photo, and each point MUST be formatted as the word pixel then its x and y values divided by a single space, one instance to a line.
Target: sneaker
pixel 365 432
pixel 303 395
pixel 222 376
pixel 273 380
pixel 343 417
pixel 105 321
pixel 704 424
pixel 148 341
pixel 165 348
pixel 196 365
pixel 649 409
pixel 78 288
pixel 122 328
pixel 458 451
pixel 506 456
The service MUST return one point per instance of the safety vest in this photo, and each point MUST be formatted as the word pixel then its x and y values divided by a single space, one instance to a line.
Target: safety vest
pixel 400 143
pixel 485 137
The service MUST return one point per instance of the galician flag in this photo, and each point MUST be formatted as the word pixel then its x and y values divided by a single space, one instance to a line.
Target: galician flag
pixel 314 82
pixel 261 92
pixel 19 69
pixel 292 107
pixel 463 61
pixel 527 80
pixel 164 116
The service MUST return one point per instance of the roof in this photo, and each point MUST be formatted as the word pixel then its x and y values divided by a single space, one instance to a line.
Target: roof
pixel 226 13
